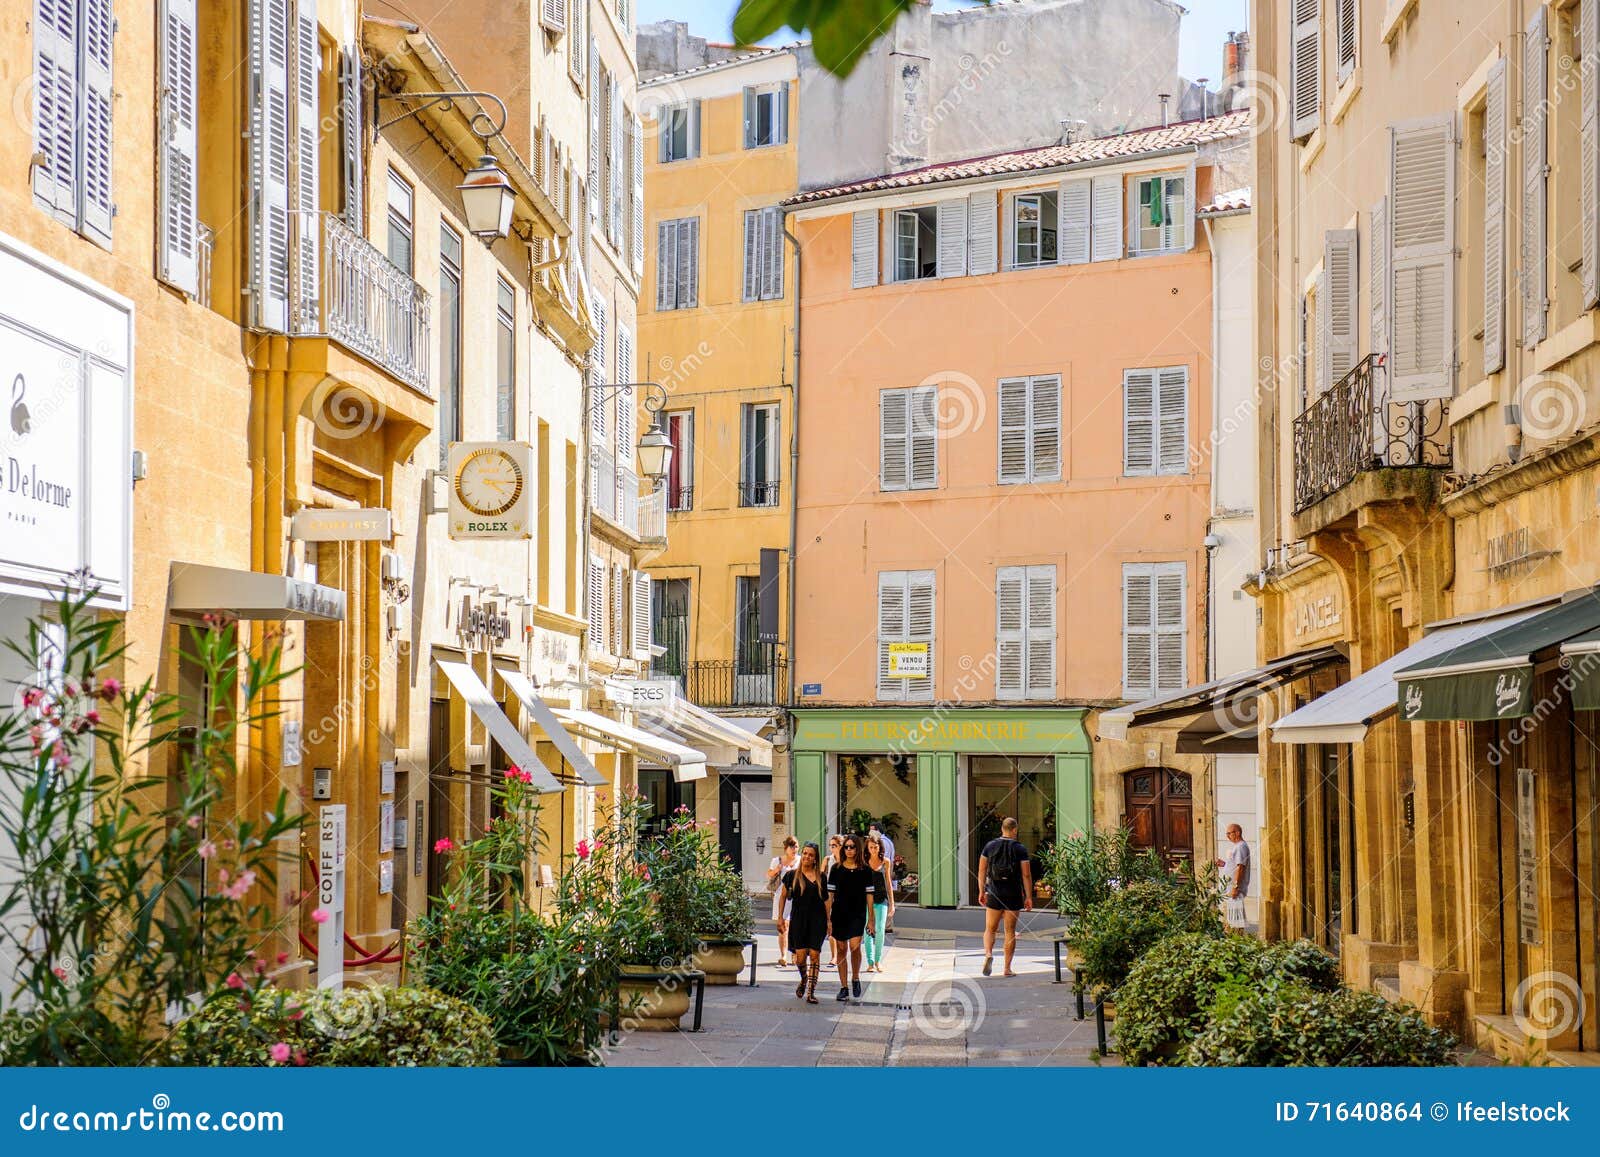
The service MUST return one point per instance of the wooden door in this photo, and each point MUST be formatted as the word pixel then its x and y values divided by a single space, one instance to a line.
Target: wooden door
pixel 1158 807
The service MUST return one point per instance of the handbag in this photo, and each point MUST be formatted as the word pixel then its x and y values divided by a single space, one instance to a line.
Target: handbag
pixel 1234 913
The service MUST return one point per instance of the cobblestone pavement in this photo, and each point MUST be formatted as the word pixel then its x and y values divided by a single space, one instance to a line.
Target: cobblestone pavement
pixel 931 1005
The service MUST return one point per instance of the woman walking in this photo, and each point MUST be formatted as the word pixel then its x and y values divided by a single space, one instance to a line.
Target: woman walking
pixel 804 894
pixel 827 866
pixel 849 895
pixel 781 866
pixel 882 910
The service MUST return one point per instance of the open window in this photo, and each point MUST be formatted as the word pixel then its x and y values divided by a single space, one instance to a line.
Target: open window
pixel 1033 229
pixel 916 243
pixel 1160 213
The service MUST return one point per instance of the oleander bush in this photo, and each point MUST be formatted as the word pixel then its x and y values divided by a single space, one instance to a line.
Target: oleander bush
pixel 1114 933
pixel 1084 868
pixel 1294 1025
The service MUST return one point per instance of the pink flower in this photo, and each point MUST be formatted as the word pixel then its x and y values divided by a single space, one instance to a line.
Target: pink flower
pixel 32 697
pixel 234 980
pixel 110 689
pixel 445 844
pixel 283 958
pixel 583 849
pixel 62 755
pixel 60 973
pixel 300 1056
pixel 207 850
pixel 319 915
pixel 193 822
pixel 93 717
pixel 279 1052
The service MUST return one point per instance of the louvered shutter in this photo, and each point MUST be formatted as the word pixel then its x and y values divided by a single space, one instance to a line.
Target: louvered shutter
pixel 894 438
pixel 1378 251
pixel 553 14
pixel 982 254
pixel 177 244
pixel 864 249
pixel 619 608
pixel 1321 345
pixel 1008 231
pixel 1138 632
pixel 625 398
pixel 1010 635
pixel 752 251
pixel 1014 431
pixel 1422 236
pixel 1494 219
pixel 578 43
pixel 308 58
pixel 99 25
pixel 1044 428
pixel 641 615
pixel 269 163
pixel 924 454
pixel 951 223
pixel 1072 211
pixel 694 127
pixel 597 603
pixel 688 263
pixel 1172 419
pixel 596 126
pixel 920 629
pixel 1041 657
pixel 1305 68
pixel 1106 243
pixel 350 109
pixel 638 196
pixel 55 70
pixel 781 115
pixel 1535 190
pixel 1138 422
pixel 891 629
pixel 772 264
pixel 1347 30
pixel 1170 658
pixel 666 263
pixel 1339 267
pixel 616 162
pixel 749 118
pixel 1589 131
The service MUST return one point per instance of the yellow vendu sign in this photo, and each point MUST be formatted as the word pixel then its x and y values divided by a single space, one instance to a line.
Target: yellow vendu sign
pixel 908 660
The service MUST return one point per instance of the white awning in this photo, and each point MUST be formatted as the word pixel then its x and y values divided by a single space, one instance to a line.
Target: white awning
pixel 701 726
pixel 481 703
pixel 686 762
pixel 1344 714
pixel 193 589
pixel 582 766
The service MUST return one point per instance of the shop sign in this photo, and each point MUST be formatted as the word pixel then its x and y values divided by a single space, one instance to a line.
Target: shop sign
pixel 491 490
pixel 386 826
pixel 970 729
pixel 1313 616
pixel 313 601
pixel 555 656
pixel 1510 553
pixel 482 624
pixel 1527 861
pixel 650 694
pixel 811 688
pixel 1482 695
pixel 330 895
pixel 908 660
pixel 321 524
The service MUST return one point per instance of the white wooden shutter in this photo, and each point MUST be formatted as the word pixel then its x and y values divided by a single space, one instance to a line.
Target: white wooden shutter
pixel 1589 160
pixel 1014 430
pixel 1010 634
pixel 781 115
pixel 1339 267
pixel 752 250
pixel 1494 219
pixel 1072 211
pixel 772 254
pixel 1305 67
pixel 308 228
pixel 1008 231
pixel 1041 655
pixel 1347 32
pixel 1138 422
pixel 1320 346
pixel 951 221
pixel 641 615
pixel 269 163
pixel 1170 628
pixel 864 249
pixel 177 247
pixel 638 196
pixel 1421 224
pixel 351 103
pixel 694 127
pixel 597 604
pixel 1535 164
pixel 553 14
pixel 596 127
pixel 891 629
pixel 920 610
pixel 55 71
pixel 99 25
pixel 1106 210
pixel 616 163
pixel 625 399
pixel 579 46
pixel 923 468
pixel 619 609
pixel 749 105
pixel 1044 428
pixel 1172 420
pixel 1138 631
pixel 1378 254
pixel 894 438
pixel 666 264
pixel 688 263
pixel 982 251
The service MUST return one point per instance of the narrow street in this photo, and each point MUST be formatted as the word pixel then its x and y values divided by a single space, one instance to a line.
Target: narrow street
pixel 930 1006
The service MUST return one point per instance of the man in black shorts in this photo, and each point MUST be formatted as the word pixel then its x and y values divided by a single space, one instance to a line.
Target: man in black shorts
pixel 1005 881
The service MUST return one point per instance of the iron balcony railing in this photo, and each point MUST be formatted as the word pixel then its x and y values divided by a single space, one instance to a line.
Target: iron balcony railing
pixel 680 499
pixel 364 301
pixel 731 682
pixel 758 494
pixel 627 500
pixel 1356 427
pixel 603 482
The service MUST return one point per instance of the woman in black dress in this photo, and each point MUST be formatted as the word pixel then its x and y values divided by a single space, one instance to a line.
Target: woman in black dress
pixel 850 889
pixel 805 892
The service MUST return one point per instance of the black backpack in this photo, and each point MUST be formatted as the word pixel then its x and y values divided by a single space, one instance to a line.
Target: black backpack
pixel 1005 866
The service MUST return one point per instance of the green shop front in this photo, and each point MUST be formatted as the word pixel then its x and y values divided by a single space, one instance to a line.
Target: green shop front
pixel 940 782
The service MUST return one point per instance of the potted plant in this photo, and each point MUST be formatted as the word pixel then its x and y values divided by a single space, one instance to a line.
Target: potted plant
pixel 697 891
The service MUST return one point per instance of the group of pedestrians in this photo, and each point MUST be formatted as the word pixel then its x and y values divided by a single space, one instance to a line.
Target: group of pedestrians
pixel 845 898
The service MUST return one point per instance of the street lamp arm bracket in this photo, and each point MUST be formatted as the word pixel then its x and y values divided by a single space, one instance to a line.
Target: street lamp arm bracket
pixel 483 122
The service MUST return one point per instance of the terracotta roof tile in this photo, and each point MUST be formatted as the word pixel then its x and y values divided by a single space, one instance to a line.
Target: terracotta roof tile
pixel 1233 201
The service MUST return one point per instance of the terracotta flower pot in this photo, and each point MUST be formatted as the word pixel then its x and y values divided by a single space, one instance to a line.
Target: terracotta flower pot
pixel 721 960
pixel 652 1000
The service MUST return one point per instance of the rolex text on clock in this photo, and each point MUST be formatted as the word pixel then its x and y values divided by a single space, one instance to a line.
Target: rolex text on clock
pixel 489 490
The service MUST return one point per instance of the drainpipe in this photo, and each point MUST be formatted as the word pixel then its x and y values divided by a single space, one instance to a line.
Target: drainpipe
pixel 1216 446
pixel 794 479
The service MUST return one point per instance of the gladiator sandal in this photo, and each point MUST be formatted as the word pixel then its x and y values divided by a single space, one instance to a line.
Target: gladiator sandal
pixel 811 981
pixel 805 973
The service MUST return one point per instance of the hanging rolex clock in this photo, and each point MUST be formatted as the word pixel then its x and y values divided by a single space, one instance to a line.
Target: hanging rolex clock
pixel 490 490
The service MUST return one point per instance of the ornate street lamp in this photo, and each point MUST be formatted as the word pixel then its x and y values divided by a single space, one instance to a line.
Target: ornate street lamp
pixel 487 199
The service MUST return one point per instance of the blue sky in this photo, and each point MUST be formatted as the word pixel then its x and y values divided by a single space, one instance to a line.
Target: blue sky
pixel 1199 52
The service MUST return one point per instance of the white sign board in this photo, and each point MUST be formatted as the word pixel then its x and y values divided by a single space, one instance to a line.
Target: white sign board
pixel 654 695
pixel 330 895
pixel 324 524
pixel 491 490
pixel 66 430
pixel 908 660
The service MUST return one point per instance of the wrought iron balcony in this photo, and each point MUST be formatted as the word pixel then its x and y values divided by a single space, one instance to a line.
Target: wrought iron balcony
pixel 680 499
pixel 1356 427
pixel 758 494
pixel 760 682
pixel 364 301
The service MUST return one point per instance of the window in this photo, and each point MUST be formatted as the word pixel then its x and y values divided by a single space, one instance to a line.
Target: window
pixel 597 603
pixel 1421 259
pixel 916 243
pixel 1030 429
pixel 763 254
pixel 1336 340
pixel 670 629
pixel 1025 632
pixel 400 242
pixel 908 438
pixel 505 361
pixel 449 341
pixel 1155 421
pixel 680 469
pixel 766 116
pixel 72 112
pixel 1154 628
pixel 1347 29
pixel 678 264
pixel 1161 216
pixel 1492 161
pixel 751 655
pixel 1535 187
pixel 680 132
pixel 1033 230
pixel 759 455
pixel 905 635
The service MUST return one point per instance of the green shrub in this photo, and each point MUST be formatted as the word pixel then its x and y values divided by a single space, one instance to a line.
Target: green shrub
pixel 1112 934
pixel 1294 1025
pixel 1168 996
pixel 357 1027
pixel 1084 868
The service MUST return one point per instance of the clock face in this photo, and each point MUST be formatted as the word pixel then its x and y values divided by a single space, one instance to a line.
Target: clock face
pixel 489 482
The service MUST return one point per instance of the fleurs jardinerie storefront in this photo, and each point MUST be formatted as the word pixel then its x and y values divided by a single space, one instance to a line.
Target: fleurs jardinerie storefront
pixel 939 782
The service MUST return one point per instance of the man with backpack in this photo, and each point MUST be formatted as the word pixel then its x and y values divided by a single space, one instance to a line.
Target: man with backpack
pixel 1005 881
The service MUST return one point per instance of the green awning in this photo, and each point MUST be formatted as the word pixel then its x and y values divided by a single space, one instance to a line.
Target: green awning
pixel 1581 658
pixel 1492 677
